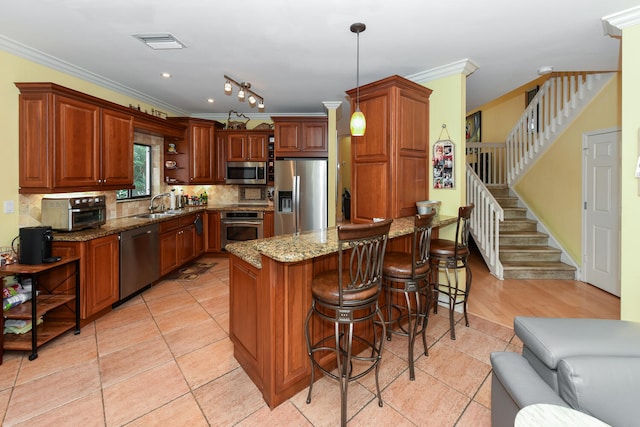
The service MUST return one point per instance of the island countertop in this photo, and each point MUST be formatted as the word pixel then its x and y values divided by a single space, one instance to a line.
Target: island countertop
pixel 312 244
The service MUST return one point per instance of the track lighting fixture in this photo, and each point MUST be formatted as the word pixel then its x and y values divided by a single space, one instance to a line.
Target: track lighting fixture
pixel 244 92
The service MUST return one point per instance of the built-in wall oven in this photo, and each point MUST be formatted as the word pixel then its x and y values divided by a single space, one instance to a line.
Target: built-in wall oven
pixel 238 226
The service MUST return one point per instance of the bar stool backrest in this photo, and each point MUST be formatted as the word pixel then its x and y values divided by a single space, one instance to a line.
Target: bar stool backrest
pixel 362 246
pixel 462 229
pixel 421 241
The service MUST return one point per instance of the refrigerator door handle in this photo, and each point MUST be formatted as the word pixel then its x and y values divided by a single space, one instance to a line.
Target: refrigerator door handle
pixel 296 202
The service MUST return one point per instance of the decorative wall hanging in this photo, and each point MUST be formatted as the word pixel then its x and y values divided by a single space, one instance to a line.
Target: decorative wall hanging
pixel 443 161
pixel 472 127
pixel 237 124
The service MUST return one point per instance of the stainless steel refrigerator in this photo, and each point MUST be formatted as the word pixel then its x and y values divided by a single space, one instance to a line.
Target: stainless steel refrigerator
pixel 300 195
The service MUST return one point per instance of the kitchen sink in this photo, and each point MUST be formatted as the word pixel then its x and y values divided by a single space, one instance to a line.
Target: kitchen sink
pixel 156 215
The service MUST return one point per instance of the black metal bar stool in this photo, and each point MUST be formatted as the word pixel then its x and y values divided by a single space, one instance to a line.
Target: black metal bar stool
pixel 450 255
pixel 347 297
pixel 408 274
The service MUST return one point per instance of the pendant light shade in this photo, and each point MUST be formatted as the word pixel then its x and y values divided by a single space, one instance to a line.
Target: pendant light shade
pixel 358 123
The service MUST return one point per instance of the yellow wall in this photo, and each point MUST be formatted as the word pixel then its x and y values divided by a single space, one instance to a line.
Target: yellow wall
pixel 552 188
pixel 16 69
pixel 447 106
pixel 630 225
pixel 500 115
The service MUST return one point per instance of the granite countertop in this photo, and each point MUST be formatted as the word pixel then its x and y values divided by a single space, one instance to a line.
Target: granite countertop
pixel 117 225
pixel 312 244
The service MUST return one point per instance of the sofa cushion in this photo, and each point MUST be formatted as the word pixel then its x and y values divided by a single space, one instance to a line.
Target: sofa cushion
pixel 605 387
pixel 553 339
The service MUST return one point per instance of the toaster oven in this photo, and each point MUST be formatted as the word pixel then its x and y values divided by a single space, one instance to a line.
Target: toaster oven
pixel 74 213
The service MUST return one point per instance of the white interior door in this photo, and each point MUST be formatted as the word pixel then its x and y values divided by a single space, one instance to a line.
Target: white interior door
pixel 601 219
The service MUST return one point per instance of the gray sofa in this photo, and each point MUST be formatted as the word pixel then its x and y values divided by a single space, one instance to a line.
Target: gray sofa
pixel 591 365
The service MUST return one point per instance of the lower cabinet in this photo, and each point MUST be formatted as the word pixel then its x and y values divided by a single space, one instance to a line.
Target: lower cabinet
pixel 213 231
pixel 99 271
pixel 268 224
pixel 179 242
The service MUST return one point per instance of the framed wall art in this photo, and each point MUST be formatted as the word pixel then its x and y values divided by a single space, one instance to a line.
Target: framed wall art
pixel 443 164
pixel 472 127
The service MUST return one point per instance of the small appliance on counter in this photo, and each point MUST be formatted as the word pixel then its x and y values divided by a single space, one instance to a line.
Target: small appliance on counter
pixel 74 213
pixel 35 245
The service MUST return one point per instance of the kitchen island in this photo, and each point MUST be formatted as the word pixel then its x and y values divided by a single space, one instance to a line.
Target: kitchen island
pixel 270 294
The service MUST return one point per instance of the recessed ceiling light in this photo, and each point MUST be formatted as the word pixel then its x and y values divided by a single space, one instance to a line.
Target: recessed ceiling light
pixel 160 41
pixel 210 100
pixel 166 75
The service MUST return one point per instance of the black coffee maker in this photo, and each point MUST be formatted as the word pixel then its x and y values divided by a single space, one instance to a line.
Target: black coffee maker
pixel 35 245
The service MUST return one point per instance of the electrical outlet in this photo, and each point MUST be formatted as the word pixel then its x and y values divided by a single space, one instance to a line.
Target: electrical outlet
pixel 8 206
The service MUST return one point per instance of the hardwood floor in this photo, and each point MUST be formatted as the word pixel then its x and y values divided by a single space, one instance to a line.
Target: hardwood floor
pixel 501 300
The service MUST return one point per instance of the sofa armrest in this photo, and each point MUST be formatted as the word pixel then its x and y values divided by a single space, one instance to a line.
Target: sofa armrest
pixel 514 385
pixel 606 387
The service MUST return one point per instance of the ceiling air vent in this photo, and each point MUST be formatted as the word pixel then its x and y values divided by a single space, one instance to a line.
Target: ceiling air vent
pixel 160 41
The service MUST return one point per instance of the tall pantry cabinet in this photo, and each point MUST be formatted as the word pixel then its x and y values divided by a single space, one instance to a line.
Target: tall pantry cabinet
pixel 390 163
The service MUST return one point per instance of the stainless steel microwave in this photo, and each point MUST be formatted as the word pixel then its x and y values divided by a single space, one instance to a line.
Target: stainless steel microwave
pixel 246 173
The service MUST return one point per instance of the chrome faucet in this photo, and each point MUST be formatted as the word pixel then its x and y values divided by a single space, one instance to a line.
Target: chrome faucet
pixel 153 199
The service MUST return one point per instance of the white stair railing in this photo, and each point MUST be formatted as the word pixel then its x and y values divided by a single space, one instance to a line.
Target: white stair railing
pixel 485 221
pixel 488 161
pixel 557 102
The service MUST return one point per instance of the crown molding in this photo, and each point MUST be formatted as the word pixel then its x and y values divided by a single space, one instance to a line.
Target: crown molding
pixel 52 62
pixel 613 24
pixel 257 116
pixel 332 105
pixel 464 66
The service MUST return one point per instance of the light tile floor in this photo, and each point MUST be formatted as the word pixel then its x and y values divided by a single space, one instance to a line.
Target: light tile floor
pixel 165 358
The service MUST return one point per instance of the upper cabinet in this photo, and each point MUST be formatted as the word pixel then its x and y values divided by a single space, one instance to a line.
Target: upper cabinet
pixel 390 163
pixel 247 146
pixel 300 136
pixel 199 145
pixel 70 141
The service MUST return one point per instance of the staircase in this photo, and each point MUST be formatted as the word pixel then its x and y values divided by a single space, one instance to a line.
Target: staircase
pixel 524 251
pixel 509 240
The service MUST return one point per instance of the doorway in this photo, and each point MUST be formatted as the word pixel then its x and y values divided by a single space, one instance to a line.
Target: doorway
pixel 601 213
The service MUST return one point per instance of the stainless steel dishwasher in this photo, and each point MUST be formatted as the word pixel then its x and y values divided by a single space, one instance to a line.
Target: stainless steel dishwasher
pixel 139 259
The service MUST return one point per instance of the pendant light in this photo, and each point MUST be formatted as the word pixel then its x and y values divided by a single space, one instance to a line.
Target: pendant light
pixel 358 123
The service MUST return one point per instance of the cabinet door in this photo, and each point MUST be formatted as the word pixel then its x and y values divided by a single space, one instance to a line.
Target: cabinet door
pixel 236 147
pixel 36 143
pixel 268 224
pixel 221 159
pixel 199 238
pixel 77 143
pixel 213 232
pixel 186 244
pixel 314 137
pixel 168 251
pixel 287 136
pixel 103 275
pixel 202 153
pixel 117 149
pixel 257 147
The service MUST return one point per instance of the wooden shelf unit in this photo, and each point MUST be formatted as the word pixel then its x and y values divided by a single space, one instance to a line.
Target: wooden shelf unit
pixel 53 299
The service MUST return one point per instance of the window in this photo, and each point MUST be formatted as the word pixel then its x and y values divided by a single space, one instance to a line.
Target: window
pixel 141 174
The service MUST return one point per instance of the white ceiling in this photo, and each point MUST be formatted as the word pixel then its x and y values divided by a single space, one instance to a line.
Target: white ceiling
pixel 298 53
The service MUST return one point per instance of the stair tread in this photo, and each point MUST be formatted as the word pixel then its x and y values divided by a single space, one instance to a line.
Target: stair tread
pixel 527 248
pixel 542 265
pixel 522 233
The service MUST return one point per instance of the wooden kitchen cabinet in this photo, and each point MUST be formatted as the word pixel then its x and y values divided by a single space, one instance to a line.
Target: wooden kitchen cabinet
pixel 300 136
pixel 69 143
pixel 390 163
pixel 268 224
pixel 99 271
pixel 213 231
pixel 200 146
pixel 221 158
pixel 247 146
pixel 179 242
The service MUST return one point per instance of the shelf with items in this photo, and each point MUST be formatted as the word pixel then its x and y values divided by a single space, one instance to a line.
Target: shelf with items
pixel 176 160
pixel 55 290
pixel 271 160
